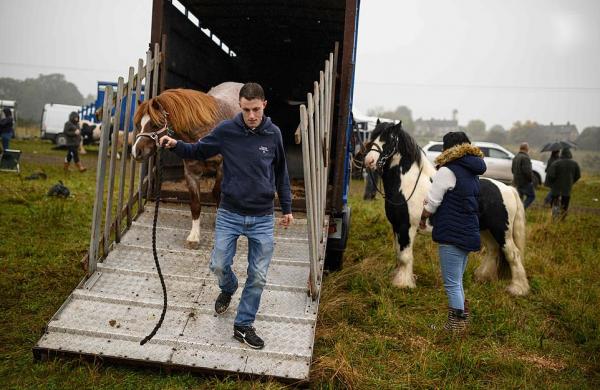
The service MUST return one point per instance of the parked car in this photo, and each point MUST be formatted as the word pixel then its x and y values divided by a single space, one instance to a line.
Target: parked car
pixel 497 159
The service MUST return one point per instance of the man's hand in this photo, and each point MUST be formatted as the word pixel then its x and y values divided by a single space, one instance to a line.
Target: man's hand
pixel 286 220
pixel 167 142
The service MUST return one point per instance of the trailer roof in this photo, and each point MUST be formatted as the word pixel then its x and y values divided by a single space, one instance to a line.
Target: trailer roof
pixel 286 25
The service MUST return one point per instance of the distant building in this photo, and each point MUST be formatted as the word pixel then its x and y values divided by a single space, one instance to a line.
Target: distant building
pixel 434 129
pixel 560 132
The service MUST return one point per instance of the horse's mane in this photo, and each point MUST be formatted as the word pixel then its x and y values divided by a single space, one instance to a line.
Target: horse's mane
pixel 406 144
pixel 188 111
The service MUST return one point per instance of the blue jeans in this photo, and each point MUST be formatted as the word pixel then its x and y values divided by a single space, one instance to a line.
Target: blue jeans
pixel 453 261
pixel 6 140
pixel 528 192
pixel 259 230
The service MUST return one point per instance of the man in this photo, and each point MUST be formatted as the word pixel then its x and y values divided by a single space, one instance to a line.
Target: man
pixel 523 175
pixel 254 167
pixel 72 133
pixel 562 174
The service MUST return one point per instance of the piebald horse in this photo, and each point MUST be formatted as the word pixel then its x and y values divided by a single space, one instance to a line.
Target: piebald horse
pixel 407 176
pixel 191 115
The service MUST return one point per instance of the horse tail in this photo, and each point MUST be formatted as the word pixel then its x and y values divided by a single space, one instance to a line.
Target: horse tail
pixel 519 234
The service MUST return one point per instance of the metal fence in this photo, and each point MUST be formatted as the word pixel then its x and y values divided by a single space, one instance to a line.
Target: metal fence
pixel 315 125
pixel 118 193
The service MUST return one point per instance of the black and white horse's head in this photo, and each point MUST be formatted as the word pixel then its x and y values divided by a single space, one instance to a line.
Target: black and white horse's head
pixel 390 145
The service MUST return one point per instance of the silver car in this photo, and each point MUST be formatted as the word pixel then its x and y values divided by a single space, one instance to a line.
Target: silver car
pixel 497 159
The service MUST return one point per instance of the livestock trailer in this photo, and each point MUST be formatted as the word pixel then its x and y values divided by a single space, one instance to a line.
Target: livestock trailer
pixel 303 53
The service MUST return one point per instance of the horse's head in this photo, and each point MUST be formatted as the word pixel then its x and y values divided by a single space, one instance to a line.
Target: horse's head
pixel 151 123
pixel 390 145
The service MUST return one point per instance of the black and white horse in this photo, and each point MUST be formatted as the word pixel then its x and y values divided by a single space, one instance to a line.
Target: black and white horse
pixel 407 176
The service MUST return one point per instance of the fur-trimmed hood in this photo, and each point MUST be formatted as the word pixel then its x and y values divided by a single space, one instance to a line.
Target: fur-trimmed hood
pixel 456 152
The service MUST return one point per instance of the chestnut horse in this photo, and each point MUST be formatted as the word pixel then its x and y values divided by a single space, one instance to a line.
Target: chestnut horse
pixel 191 115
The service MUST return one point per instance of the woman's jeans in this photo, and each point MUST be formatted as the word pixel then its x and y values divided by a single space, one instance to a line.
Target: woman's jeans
pixel 259 231
pixel 72 153
pixel 453 261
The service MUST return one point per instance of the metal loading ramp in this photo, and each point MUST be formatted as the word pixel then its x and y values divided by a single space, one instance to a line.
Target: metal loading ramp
pixel 109 313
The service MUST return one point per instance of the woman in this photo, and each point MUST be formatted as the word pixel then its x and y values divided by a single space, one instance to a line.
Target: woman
pixel 73 134
pixel 452 204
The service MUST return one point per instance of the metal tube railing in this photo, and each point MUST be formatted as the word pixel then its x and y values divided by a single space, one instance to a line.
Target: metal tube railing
pixel 105 220
pixel 315 126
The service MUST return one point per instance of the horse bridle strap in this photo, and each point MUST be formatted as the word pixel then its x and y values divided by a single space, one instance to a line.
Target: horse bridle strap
pixel 381 164
pixel 155 135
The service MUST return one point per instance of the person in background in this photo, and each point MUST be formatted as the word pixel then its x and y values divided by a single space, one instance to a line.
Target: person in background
pixel 452 205
pixel 523 175
pixel 553 157
pixel 72 133
pixel 254 169
pixel 562 174
pixel 7 129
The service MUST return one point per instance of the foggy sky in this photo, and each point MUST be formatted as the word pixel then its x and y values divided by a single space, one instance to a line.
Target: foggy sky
pixel 495 60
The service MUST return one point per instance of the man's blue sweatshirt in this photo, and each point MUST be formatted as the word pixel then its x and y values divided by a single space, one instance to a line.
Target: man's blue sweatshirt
pixel 254 166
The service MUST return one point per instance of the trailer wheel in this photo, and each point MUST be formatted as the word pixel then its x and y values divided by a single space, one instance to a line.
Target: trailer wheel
pixel 60 140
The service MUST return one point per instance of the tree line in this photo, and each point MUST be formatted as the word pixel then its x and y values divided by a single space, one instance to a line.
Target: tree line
pixel 31 94
pixel 476 129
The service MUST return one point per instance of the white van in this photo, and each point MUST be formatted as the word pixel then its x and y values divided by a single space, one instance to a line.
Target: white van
pixel 54 117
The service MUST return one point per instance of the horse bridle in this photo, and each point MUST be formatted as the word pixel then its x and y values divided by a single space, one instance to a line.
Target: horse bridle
pixel 155 135
pixel 382 162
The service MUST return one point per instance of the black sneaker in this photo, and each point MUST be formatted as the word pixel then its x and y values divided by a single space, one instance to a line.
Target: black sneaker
pixel 247 335
pixel 222 302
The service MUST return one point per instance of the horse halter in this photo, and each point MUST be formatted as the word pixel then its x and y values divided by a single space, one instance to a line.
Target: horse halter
pixel 156 135
pixel 382 163
pixel 383 159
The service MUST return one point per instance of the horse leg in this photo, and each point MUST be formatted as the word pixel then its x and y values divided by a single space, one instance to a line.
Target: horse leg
pixel 519 285
pixel 216 191
pixel 193 182
pixel 488 269
pixel 404 277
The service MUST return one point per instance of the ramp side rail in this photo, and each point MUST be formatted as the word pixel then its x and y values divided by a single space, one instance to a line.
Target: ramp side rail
pixel 315 126
pixel 120 194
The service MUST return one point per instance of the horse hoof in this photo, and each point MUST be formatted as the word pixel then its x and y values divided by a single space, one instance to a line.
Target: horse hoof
pixel 400 283
pixel 192 244
pixel 517 291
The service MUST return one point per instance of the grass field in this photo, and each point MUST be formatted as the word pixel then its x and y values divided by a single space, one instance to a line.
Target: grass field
pixel 369 334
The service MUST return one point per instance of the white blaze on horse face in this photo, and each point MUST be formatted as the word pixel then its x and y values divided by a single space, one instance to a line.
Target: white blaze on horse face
pixel 373 156
pixel 143 122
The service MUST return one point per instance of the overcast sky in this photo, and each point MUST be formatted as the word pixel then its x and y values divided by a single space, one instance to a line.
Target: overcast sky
pixel 495 60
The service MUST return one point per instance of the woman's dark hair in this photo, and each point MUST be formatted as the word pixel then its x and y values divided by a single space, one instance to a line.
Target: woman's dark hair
pixel 7 112
pixel 252 91
pixel 454 138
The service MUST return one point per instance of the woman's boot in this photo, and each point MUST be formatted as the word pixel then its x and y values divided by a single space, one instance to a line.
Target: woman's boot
pixel 66 166
pixel 80 167
pixel 457 321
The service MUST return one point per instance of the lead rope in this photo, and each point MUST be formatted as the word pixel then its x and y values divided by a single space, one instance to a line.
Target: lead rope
pixel 160 275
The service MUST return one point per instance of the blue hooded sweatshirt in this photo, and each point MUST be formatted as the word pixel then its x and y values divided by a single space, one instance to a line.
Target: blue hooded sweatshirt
pixel 254 165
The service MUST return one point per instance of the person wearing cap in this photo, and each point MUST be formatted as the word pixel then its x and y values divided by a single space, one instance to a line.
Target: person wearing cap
pixel 254 169
pixel 523 175
pixel 562 174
